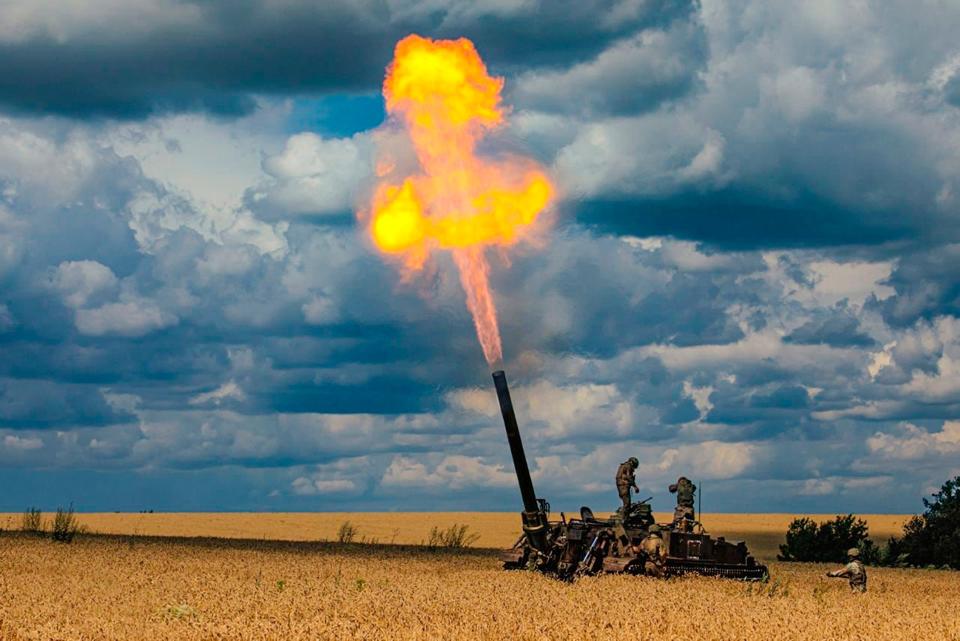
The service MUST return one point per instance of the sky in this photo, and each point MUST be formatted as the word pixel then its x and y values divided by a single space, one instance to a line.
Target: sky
pixel 752 276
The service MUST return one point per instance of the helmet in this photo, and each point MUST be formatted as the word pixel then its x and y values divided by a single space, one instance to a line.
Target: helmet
pixel 853 553
pixel 633 461
pixel 654 529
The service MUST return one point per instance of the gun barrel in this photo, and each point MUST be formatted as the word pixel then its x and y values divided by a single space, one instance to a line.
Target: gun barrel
pixel 516 445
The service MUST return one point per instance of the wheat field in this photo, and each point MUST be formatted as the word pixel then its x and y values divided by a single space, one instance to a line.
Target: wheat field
pixel 764 532
pixel 147 587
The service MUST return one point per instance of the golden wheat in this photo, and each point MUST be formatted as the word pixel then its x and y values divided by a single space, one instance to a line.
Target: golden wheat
pixel 764 532
pixel 135 588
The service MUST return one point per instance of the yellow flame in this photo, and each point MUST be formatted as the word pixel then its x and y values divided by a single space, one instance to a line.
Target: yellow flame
pixel 441 92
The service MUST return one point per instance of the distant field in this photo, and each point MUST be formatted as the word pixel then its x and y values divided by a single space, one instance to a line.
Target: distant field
pixel 148 589
pixel 763 532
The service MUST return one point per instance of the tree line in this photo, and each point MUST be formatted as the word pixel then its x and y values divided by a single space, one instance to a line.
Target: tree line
pixel 930 539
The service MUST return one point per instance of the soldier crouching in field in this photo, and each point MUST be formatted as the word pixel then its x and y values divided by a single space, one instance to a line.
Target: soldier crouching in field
pixel 853 570
pixel 655 553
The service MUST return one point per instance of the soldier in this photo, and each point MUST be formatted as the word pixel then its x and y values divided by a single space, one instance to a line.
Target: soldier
pixel 655 552
pixel 625 480
pixel 683 514
pixel 854 571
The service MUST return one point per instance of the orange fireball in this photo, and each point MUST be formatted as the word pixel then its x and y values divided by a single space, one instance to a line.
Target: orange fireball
pixel 440 91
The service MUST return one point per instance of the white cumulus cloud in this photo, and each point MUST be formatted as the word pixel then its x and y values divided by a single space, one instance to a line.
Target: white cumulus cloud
pixel 79 281
pixel 124 319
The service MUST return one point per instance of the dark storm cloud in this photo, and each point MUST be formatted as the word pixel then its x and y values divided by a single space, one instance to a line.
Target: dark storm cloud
pixel 684 300
pixel 741 219
pixel 681 411
pixel 377 395
pixel 165 56
pixel 766 411
pixel 782 397
pixel 927 284
pixel 632 76
pixel 160 490
pixel 39 404
pixel 951 90
pixel 839 331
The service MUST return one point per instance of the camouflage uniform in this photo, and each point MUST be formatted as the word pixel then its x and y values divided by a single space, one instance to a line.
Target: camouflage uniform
pixel 854 571
pixel 655 551
pixel 626 480
pixel 684 489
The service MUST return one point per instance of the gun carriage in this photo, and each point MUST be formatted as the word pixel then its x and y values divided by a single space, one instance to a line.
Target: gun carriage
pixel 586 545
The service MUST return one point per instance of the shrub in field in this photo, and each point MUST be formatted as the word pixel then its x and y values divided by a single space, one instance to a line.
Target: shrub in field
pixel 32 520
pixel 827 542
pixel 802 537
pixel 347 532
pixel 455 536
pixel 933 538
pixel 894 554
pixel 65 525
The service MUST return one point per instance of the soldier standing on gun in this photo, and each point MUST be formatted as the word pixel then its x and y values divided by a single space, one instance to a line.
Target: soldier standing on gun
pixel 853 570
pixel 683 514
pixel 625 480
pixel 655 552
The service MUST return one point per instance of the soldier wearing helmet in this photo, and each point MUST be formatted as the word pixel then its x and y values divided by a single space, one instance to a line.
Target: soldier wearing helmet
pixel 654 551
pixel 854 571
pixel 683 514
pixel 625 480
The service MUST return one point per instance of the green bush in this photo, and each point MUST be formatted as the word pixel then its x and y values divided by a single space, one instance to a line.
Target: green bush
pixel 893 554
pixel 32 520
pixel 455 536
pixel 829 541
pixel 65 525
pixel 801 545
pixel 932 538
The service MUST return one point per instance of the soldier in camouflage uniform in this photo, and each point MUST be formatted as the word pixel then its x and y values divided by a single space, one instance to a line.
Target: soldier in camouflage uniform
pixel 625 480
pixel 854 571
pixel 683 514
pixel 655 552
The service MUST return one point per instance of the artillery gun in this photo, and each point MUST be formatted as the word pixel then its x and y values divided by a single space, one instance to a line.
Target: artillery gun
pixel 568 548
